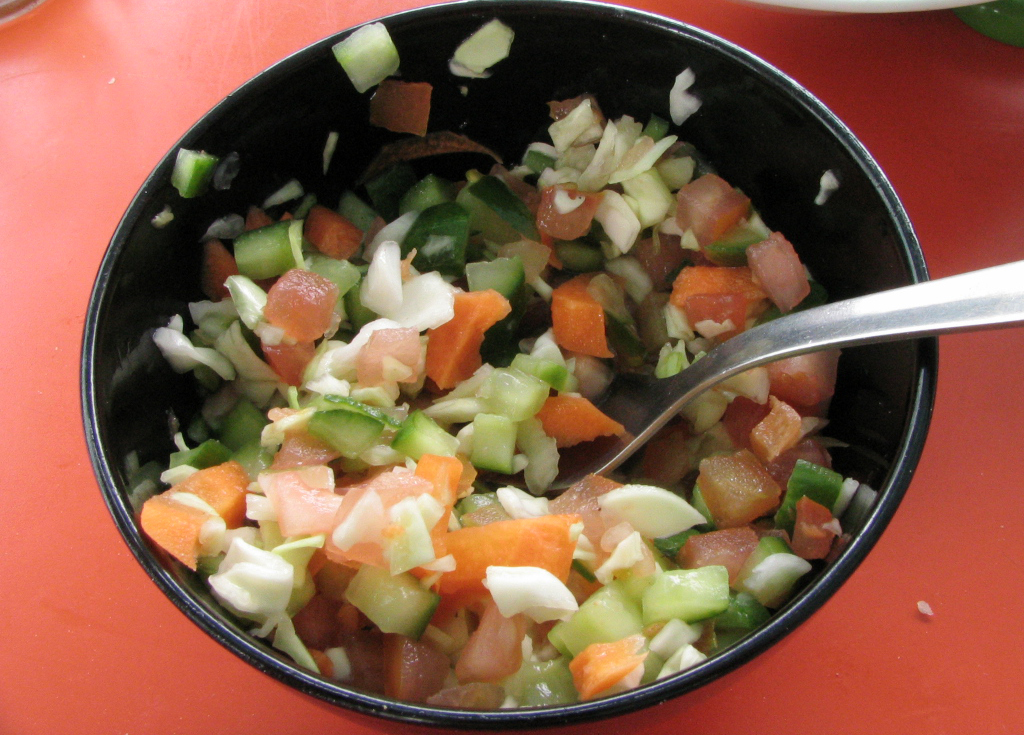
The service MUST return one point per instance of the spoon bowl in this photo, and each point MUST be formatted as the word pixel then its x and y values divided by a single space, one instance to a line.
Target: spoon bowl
pixel 986 299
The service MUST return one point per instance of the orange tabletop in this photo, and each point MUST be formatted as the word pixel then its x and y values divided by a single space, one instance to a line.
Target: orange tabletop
pixel 93 92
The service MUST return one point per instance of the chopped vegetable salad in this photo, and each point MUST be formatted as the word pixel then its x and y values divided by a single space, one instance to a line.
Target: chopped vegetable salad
pixel 390 383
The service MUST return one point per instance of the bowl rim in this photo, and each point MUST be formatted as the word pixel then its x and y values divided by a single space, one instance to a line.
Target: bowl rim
pixel 782 622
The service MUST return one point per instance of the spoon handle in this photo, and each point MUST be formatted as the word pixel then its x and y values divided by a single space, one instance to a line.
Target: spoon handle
pixel 984 299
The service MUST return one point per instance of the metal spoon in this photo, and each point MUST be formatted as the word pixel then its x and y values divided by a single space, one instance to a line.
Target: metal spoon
pixel 984 299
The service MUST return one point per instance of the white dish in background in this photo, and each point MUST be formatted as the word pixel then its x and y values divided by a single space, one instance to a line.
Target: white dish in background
pixel 867 6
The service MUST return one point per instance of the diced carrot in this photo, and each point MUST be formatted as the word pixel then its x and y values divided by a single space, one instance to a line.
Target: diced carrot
pixel 571 419
pixel 331 233
pixel 445 473
pixel 174 527
pixel 401 107
pixel 223 488
pixel 600 666
pixel 453 349
pixel 577 318
pixel 218 264
pixel 525 542
pixel 776 432
pixel 256 218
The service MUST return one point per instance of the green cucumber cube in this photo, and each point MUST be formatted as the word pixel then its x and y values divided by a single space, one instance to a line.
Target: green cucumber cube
pixel 687 594
pixel 494 443
pixel 349 432
pixel 511 392
pixel 818 483
pixel 394 603
pixel 608 615
pixel 265 252
pixel 420 434
pixel 192 172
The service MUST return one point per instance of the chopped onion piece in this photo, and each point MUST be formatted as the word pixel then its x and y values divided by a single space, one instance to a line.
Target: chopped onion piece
pixel 521 505
pixel 183 356
pixel 330 145
pixel 652 511
pixel 533 591
pixel 226 171
pixel 674 635
pixel 618 220
pixel 253 581
pixel 828 184
pixel 681 102
pixel 162 218
pixel 291 190
pixel 483 49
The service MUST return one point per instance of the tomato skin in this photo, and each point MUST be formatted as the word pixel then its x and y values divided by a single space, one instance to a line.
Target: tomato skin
pixel 778 269
pixel 494 650
pixel 806 381
pixel 413 670
pixel 710 207
pixel 728 547
pixel 811 537
pixel 289 361
pixel 302 304
pixel 737 488
pixel 567 225
pixel 741 417
pixel 810 449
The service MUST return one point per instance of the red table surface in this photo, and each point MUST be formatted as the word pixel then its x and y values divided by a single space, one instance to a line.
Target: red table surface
pixel 93 92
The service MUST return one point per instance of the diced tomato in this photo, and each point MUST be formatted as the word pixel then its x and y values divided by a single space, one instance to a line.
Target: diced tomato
pixel 316 623
pixel 413 670
pixel 218 265
pixel 740 418
pixel 812 534
pixel 302 450
pixel 663 256
pixel 304 499
pixel 710 207
pixel 365 651
pixel 476 696
pixel 775 433
pixel 582 499
pixel 390 347
pixel 737 488
pixel 666 459
pixel 332 234
pixel 302 304
pixel 561 108
pixel 289 361
pixel 401 107
pixel 805 381
pixel 810 449
pixel 567 225
pixel 718 308
pixel 256 218
pixel 494 650
pixel 728 547
pixel 778 269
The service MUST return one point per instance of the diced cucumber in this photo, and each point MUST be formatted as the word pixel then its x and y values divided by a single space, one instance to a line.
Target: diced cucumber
pixel 243 425
pixel 208 454
pixel 607 615
pixel 818 483
pixel 368 56
pixel 349 432
pixel 537 161
pixel 504 275
pixel 394 603
pixel 439 236
pixel 475 502
pixel 192 172
pixel 656 128
pixel 583 570
pixel 330 402
pixel 697 501
pixel 539 683
pixel 676 172
pixel 670 546
pixel 494 443
pixel 579 257
pixel 495 193
pixel 743 614
pixel 355 210
pixel 511 392
pixel 731 248
pixel 427 192
pixel 358 315
pixel 265 252
pixel 341 273
pixel 387 189
pixel 687 594
pixel 420 435
pixel 485 220
pixel 556 375
pixel 254 457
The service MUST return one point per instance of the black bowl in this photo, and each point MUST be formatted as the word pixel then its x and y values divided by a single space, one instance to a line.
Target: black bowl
pixel 763 132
